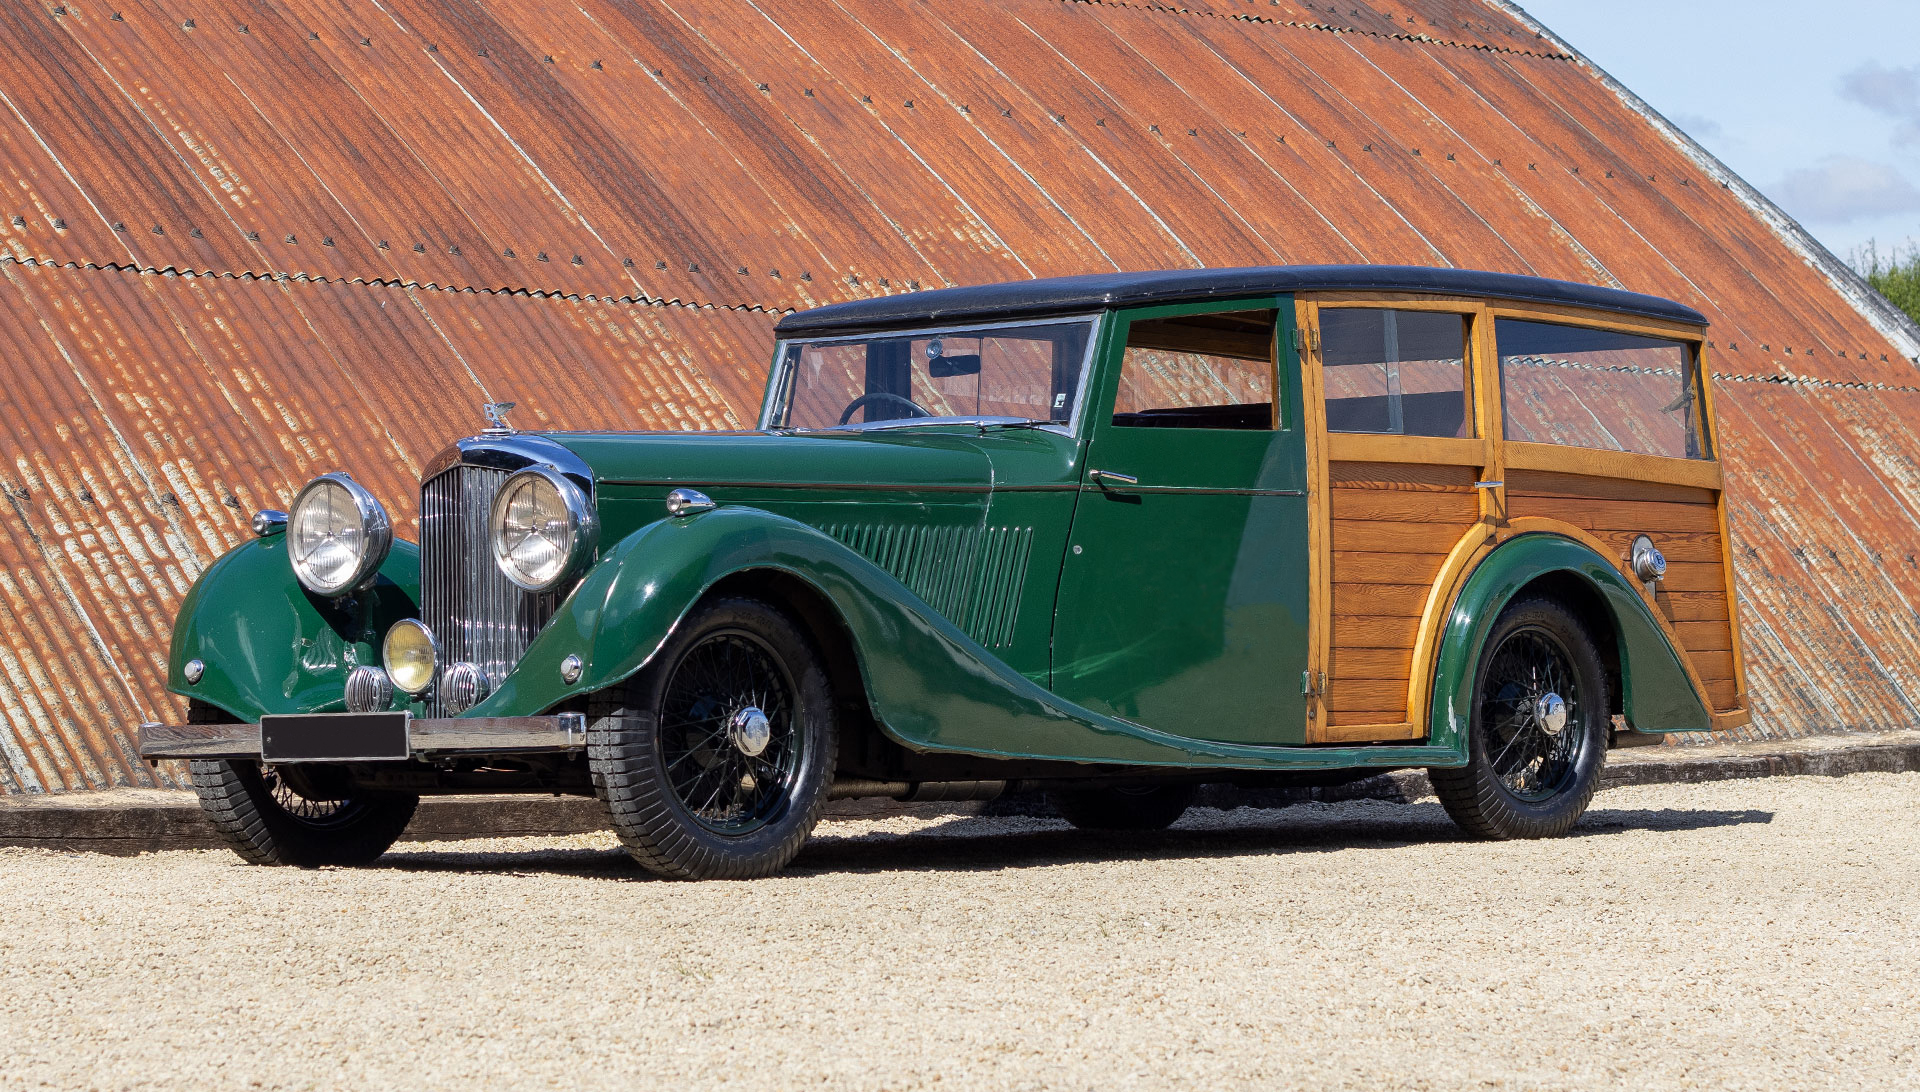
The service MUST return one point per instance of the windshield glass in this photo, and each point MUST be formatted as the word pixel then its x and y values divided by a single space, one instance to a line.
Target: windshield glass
pixel 1029 373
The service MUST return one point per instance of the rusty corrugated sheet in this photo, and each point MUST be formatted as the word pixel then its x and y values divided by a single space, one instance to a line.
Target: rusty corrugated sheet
pixel 246 241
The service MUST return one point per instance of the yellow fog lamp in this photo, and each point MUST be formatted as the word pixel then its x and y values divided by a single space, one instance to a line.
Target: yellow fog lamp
pixel 409 654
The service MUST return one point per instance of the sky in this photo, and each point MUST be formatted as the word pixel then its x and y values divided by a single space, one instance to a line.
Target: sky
pixel 1815 105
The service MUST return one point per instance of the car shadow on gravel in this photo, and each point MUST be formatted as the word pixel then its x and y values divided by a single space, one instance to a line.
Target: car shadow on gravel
pixel 994 843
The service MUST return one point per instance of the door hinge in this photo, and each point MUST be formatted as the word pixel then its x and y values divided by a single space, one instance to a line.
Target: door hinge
pixel 1313 684
pixel 1304 342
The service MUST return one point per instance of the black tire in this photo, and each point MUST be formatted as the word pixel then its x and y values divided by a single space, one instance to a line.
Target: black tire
pixel 294 817
pixel 1145 807
pixel 666 750
pixel 1523 780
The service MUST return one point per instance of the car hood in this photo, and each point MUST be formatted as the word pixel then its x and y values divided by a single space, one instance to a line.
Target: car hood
pixel 918 458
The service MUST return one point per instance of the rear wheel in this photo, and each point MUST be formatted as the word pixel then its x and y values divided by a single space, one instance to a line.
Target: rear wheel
pixel 1537 730
pixel 304 816
pixel 715 760
pixel 1143 807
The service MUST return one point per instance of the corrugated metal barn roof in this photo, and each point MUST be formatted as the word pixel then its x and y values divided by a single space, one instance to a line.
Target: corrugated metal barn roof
pixel 247 241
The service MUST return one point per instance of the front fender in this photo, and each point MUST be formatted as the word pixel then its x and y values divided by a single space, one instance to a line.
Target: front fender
pixel 1658 695
pixel 930 686
pixel 271 646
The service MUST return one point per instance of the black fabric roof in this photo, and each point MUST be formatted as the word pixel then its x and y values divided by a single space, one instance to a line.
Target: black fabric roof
pixel 1067 295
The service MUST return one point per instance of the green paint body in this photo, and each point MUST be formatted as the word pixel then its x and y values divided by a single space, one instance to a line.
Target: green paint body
pixel 1175 636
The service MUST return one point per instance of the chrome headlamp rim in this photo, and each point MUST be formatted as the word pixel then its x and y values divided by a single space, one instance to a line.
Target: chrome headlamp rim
pixel 386 654
pixel 583 523
pixel 376 528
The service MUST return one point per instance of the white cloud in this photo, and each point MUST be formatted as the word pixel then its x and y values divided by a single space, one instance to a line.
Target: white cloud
pixel 1892 92
pixel 1697 126
pixel 1841 188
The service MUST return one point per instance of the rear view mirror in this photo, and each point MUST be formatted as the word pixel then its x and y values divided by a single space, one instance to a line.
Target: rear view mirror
pixel 946 367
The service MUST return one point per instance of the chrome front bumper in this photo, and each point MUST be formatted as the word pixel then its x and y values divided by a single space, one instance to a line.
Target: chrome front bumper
pixel 425 737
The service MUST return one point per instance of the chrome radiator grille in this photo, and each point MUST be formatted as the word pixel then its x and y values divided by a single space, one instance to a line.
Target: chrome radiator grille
pixel 476 613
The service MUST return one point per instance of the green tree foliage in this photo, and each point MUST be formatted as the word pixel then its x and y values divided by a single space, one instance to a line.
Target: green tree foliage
pixel 1895 274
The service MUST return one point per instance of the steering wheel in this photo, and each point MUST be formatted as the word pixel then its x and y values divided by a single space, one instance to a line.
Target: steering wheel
pixel 915 408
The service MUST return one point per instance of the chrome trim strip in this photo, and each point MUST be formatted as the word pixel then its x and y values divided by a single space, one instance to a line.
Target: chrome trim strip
pixel 511 453
pixel 558 733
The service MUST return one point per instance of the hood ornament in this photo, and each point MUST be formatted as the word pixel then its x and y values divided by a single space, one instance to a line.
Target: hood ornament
pixel 497 416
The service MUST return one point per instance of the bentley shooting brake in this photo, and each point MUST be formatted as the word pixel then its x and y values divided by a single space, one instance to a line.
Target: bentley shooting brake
pixel 1111 537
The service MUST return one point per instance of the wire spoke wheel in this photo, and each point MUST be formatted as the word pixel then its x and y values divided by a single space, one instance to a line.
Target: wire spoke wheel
pixel 296 815
pixel 1536 727
pixel 714 760
pixel 299 805
pixel 1531 754
pixel 730 777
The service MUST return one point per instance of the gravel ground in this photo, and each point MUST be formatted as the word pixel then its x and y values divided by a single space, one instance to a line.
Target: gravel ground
pixel 1751 934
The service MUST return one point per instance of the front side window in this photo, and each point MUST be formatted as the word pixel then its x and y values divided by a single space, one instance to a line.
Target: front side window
pixel 1198 371
pixel 1027 374
pixel 1400 373
pixel 1599 389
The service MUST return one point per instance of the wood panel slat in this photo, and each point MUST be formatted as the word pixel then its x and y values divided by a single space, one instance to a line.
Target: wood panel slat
pixel 1541 483
pixel 1386 536
pixel 1377 600
pixel 1722 695
pixel 1369 694
pixel 1361 631
pixel 1692 606
pixel 1651 517
pixel 1367 716
pixel 1365 567
pixel 1369 663
pixel 1694 576
pixel 1701 546
pixel 1406 506
pixel 1712 667
pixel 1705 636
pixel 1401 476
pixel 1370 727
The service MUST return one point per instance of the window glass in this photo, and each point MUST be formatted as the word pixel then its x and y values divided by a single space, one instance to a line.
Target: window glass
pixel 1403 373
pixel 1010 373
pixel 1198 371
pixel 1599 389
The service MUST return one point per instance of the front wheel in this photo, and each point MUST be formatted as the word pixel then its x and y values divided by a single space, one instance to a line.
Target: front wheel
pixel 295 815
pixel 715 759
pixel 1536 731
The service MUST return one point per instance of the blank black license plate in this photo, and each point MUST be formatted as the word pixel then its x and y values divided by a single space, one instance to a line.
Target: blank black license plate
pixel 333 737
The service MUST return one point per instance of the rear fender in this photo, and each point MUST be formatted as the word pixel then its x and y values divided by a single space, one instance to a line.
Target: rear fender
pixel 1658 694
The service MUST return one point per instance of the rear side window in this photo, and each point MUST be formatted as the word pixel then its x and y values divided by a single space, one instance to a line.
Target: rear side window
pixel 1198 371
pixel 1401 373
pixel 1599 389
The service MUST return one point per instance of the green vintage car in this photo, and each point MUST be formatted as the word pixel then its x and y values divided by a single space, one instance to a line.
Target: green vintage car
pixel 1112 538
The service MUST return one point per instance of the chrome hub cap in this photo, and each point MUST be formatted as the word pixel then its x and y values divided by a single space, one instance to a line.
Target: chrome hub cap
pixel 1550 712
pixel 750 731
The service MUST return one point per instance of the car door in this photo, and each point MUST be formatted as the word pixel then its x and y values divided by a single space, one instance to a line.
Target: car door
pixel 1183 600
pixel 1411 481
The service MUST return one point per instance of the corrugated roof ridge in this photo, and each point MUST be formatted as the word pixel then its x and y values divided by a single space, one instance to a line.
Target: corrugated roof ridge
pixel 397 282
pixel 1890 321
pixel 1329 28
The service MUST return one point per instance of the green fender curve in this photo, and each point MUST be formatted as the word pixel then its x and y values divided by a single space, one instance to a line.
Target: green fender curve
pixel 930 685
pixel 1658 696
pixel 269 645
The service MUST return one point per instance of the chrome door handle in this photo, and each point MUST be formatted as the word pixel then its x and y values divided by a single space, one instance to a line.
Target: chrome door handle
pixel 1105 477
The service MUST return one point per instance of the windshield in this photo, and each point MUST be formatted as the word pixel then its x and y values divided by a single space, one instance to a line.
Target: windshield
pixel 1015 374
